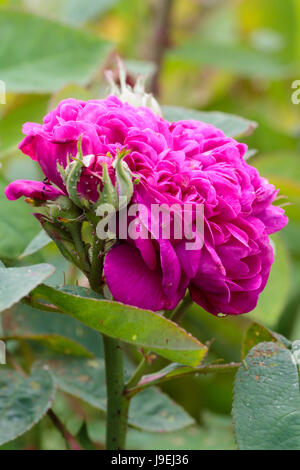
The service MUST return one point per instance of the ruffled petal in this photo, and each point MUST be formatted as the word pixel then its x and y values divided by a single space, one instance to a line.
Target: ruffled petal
pixel 274 219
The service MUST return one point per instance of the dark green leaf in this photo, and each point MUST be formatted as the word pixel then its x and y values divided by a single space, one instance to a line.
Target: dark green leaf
pixel 151 410
pixel 266 408
pixel 16 283
pixel 135 326
pixel 61 333
pixel 23 401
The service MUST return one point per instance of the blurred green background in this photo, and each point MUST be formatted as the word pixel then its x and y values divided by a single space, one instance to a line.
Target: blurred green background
pixel 235 56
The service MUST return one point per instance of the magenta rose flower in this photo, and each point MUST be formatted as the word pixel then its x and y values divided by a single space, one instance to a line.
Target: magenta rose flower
pixel 186 162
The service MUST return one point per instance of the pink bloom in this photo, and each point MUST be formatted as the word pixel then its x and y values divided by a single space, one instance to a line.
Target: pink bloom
pixel 178 163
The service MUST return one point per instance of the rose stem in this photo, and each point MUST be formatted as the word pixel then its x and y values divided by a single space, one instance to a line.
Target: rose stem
pixel 117 402
pixel 95 277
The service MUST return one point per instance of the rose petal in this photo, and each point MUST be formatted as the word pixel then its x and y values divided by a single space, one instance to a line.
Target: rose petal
pixel 132 282
pixel 32 189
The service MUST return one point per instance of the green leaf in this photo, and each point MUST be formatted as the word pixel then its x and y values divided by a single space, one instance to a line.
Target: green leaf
pixel 151 410
pixel 216 433
pixel 73 12
pixel 274 298
pixel 233 57
pixel 17 225
pixel 16 283
pixel 23 401
pixel 29 108
pixel 231 125
pixel 39 242
pixel 142 328
pixel 51 55
pixel 258 333
pixel 266 407
pixel 61 333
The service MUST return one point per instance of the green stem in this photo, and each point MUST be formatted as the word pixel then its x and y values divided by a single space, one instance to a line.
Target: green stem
pixel 75 230
pixel 117 402
pixel 137 375
pixel 180 311
pixel 95 276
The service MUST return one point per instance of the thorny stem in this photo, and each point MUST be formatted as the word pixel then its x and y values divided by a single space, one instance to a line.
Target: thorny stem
pixel 70 440
pixel 95 276
pixel 117 402
pixel 161 40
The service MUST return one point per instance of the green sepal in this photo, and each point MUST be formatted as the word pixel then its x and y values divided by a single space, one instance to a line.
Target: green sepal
pixel 62 239
pixel 124 179
pixel 108 195
pixel 72 178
